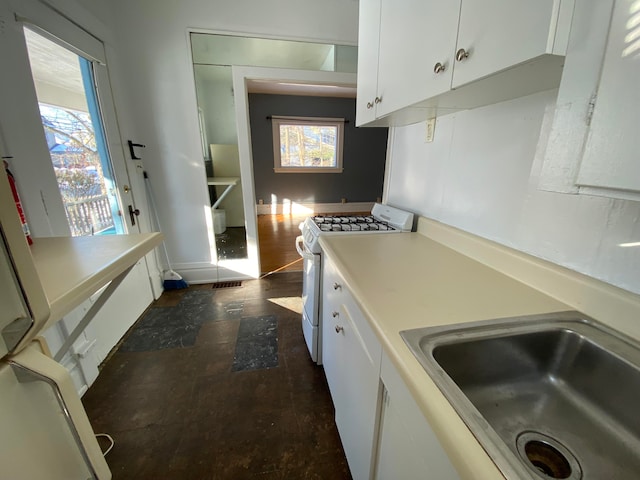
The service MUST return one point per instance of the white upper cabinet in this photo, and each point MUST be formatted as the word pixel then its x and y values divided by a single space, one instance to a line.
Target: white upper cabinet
pixel 499 34
pixel 592 144
pixel 611 156
pixel 436 57
pixel 414 58
pixel 368 40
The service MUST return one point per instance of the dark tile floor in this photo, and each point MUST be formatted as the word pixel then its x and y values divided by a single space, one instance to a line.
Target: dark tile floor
pixel 231 244
pixel 180 411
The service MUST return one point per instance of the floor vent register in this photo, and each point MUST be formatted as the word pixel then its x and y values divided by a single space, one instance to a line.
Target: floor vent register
pixel 234 283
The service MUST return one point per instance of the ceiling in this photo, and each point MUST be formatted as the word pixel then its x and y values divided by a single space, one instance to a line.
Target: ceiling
pixel 209 49
pixel 56 73
pixel 310 90
pixel 58 79
pixel 213 55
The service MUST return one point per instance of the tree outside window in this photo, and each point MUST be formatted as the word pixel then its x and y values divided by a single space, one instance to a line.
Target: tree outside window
pixel 307 144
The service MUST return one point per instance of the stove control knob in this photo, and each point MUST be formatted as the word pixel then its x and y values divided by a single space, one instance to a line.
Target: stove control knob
pixel 337 286
pixel 335 314
pixel 339 329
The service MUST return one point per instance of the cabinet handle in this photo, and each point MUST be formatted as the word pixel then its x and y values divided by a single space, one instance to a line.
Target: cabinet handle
pixel 337 286
pixel 369 105
pixel 461 54
pixel 339 329
pixel 335 314
pixel 438 68
pixel 377 100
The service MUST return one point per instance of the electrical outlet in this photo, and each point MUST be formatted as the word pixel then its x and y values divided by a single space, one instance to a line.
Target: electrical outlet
pixel 431 126
pixel 343 200
pixel 260 202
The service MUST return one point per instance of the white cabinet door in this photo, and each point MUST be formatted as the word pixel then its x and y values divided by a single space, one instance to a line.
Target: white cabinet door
pixel 611 158
pixel 415 35
pixel 408 448
pixel 499 34
pixel 368 40
pixel 509 49
pixel 351 359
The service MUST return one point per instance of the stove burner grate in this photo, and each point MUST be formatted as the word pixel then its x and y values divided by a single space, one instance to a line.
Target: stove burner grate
pixel 351 223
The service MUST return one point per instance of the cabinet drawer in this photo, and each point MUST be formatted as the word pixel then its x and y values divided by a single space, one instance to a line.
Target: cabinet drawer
pixel 343 316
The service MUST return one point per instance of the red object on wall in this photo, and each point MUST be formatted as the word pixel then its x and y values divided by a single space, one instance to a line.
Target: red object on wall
pixel 16 198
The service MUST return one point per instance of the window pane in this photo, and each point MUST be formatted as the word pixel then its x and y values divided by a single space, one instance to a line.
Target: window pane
pixel 308 146
pixel 73 129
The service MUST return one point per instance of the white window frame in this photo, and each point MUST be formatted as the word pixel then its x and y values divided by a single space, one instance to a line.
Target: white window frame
pixel 276 121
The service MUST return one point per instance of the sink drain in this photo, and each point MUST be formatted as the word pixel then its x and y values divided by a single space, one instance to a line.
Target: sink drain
pixel 547 457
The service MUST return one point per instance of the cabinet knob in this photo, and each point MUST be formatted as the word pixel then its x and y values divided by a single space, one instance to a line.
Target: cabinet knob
pixel 369 105
pixel 335 314
pixel 461 54
pixel 339 329
pixel 377 100
pixel 438 68
pixel 337 286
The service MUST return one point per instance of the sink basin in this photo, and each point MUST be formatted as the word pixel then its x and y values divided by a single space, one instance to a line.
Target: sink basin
pixel 547 396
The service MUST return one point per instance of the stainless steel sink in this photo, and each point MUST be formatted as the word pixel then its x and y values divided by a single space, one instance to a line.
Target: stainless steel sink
pixel 547 396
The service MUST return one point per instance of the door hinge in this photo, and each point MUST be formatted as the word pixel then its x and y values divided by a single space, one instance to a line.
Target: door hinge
pixel 590 108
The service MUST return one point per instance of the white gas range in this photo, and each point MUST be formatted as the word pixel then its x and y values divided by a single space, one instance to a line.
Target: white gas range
pixel 383 219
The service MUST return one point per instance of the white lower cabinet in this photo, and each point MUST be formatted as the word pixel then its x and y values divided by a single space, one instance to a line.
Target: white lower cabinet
pixel 408 449
pixel 383 432
pixel 351 360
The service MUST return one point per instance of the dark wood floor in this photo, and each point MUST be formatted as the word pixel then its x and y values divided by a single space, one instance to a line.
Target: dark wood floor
pixel 182 413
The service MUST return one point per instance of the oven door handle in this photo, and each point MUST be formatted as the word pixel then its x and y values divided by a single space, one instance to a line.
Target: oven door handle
pixel 300 248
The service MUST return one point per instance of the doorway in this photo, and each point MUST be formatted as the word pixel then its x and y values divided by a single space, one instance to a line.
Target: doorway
pixel 277 227
pixel 213 57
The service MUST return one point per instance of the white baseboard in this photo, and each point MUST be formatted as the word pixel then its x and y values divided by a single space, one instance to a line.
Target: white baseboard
pixel 312 208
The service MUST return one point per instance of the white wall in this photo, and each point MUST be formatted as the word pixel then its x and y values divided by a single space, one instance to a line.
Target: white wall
pixel 154 53
pixel 481 175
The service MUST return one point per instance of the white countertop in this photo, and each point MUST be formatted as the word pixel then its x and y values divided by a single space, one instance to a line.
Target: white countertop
pixel 71 269
pixel 407 280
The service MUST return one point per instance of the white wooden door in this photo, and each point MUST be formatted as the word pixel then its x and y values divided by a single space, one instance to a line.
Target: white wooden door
pixel 498 34
pixel 611 153
pixel 408 30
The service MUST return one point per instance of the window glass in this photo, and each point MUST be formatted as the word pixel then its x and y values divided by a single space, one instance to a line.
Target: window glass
pixel 307 144
pixel 73 127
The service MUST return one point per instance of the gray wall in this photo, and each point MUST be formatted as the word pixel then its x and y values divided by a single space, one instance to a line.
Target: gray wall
pixel 363 155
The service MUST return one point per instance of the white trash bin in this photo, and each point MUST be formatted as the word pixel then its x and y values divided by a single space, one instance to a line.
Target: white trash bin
pixel 219 221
